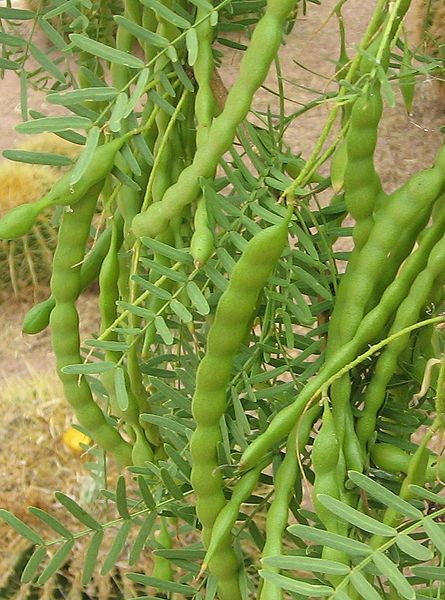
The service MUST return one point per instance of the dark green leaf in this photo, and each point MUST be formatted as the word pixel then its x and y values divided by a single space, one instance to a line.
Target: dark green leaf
pixel 78 512
pixel 37 158
pixel 147 496
pixel 170 485
pixel 21 528
pixel 162 103
pixel 117 547
pixel 121 498
pixel 11 40
pixel 56 562
pixel 53 35
pixel 51 521
pixel 91 557
pixel 10 65
pixel 141 538
pixel 29 572
pixel 46 63
pixel 16 14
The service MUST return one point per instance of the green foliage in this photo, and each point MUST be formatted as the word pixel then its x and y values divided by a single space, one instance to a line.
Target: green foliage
pixel 173 154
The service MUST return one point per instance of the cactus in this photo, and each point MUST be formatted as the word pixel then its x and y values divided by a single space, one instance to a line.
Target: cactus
pixel 25 264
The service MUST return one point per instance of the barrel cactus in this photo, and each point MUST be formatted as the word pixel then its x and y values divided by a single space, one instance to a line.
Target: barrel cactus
pixel 25 264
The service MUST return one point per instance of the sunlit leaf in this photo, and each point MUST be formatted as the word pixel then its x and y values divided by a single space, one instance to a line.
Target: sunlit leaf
pixel 384 495
pixel 390 570
pixel 90 94
pixel 355 517
pixel 86 156
pixel 363 587
pixel 305 563
pixel 333 540
pixel 121 389
pixel 300 587
pixel 106 52
pixel 53 124
pixel 413 548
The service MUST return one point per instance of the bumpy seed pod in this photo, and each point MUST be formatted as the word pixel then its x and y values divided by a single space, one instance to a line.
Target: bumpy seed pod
pixel 254 67
pixel 65 287
pixel 226 335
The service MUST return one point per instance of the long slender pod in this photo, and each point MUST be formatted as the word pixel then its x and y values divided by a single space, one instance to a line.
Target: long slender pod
pixel 37 318
pixel 406 315
pixel 65 287
pixel 277 515
pixel 254 67
pixel 412 197
pixel 201 243
pixel 225 337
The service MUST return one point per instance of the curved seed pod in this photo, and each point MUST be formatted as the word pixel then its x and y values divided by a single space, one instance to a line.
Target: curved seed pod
pixel 202 242
pixel 37 318
pixel 226 335
pixel 254 67
pixel 65 287
pixel 417 194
